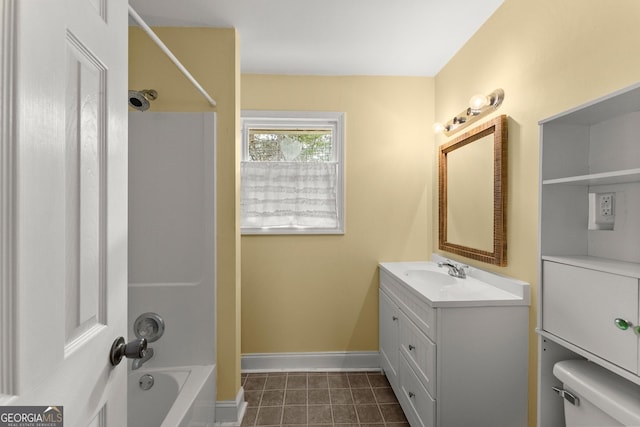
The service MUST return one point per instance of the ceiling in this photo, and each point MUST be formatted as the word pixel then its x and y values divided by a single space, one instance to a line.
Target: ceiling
pixel 333 37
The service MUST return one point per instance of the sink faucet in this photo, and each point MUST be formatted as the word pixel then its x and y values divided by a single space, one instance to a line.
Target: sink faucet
pixel 137 363
pixel 455 270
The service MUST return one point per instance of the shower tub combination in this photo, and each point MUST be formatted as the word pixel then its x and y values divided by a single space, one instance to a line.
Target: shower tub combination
pixel 174 397
pixel 171 273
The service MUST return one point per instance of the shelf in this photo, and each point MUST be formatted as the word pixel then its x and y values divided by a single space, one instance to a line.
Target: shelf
pixel 615 177
pixel 622 268
pixel 631 376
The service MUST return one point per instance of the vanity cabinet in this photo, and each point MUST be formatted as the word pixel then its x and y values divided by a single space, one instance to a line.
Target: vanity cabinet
pixel 589 269
pixel 453 355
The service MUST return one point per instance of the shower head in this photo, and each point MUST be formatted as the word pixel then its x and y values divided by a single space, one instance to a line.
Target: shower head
pixel 139 99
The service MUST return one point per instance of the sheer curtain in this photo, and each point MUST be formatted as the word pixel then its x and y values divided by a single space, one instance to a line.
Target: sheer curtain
pixel 289 194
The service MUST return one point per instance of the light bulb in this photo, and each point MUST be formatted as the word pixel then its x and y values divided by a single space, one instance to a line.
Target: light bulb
pixel 478 101
pixel 438 127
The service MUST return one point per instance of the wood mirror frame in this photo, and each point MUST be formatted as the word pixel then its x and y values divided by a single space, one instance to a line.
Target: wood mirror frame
pixel 498 254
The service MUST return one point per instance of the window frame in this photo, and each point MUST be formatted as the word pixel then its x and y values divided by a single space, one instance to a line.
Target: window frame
pixel 275 119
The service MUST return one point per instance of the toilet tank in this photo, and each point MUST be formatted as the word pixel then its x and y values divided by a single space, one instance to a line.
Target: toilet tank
pixel 604 399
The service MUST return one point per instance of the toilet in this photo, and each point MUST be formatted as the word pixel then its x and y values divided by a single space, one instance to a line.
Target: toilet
pixel 596 397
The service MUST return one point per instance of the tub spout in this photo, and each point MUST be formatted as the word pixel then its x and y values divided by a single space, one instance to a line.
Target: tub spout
pixel 137 363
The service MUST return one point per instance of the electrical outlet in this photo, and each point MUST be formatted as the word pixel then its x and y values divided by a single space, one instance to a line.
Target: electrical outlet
pixel 604 208
pixel 606 204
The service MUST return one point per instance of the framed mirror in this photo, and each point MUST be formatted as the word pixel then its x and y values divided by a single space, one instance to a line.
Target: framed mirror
pixel 472 193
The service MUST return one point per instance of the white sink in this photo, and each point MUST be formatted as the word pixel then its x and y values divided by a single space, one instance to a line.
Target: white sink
pixel 465 289
pixel 447 285
pixel 439 289
pixel 431 276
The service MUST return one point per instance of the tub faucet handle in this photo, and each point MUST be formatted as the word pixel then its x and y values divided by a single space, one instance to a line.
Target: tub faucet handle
pixel 135 349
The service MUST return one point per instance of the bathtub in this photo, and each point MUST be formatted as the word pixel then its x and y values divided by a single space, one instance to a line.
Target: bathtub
pixel 180 397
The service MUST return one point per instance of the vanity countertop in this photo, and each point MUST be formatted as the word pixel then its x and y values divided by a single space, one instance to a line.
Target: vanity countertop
pixel 439 289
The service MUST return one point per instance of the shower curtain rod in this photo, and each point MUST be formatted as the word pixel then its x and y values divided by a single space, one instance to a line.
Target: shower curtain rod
pixel 170 54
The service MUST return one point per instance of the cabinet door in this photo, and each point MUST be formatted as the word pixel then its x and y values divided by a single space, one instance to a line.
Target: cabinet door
pixel 389 320
pixel 581 305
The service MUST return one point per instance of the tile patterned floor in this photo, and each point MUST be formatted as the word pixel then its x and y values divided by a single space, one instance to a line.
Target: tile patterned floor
pixel 340 399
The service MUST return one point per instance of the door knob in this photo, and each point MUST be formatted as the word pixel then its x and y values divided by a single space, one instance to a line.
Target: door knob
pixel 135 349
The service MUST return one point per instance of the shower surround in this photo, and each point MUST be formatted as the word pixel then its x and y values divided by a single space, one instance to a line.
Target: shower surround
pixel 171 251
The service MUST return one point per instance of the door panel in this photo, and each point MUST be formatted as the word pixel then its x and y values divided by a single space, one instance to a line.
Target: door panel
pixel 70 201
pixel 85 192
pixel 389 332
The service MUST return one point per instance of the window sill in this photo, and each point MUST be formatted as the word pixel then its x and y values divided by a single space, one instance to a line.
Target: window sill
pixel 275 231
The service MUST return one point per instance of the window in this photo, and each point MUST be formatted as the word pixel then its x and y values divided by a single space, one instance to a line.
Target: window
pixel 292 173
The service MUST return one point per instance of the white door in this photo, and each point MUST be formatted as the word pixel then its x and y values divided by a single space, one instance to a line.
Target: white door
pixel 64 206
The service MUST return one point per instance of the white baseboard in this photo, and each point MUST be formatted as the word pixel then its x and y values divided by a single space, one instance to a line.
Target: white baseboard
pixel 321 361
pixel 229 413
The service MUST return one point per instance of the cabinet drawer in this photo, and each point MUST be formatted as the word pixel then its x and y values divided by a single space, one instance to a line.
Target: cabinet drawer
pixel 420 352
pixel 390 285
pixel 419 311
pixel 422 314
pixel 580 306
pixel 418 405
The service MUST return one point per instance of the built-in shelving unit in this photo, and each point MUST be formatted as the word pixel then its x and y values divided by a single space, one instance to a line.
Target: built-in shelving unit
pixel 589 276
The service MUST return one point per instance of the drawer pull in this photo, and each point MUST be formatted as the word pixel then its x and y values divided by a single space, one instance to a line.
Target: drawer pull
pixel 622 324
pixel 394 318
pixel 411 394
pixel 411 347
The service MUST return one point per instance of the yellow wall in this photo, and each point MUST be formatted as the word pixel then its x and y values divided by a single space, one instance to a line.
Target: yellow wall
pixel 319 293
pixel 548 56
pixel 212 57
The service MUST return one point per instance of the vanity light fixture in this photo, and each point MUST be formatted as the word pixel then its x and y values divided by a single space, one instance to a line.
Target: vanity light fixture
pixel 479 106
